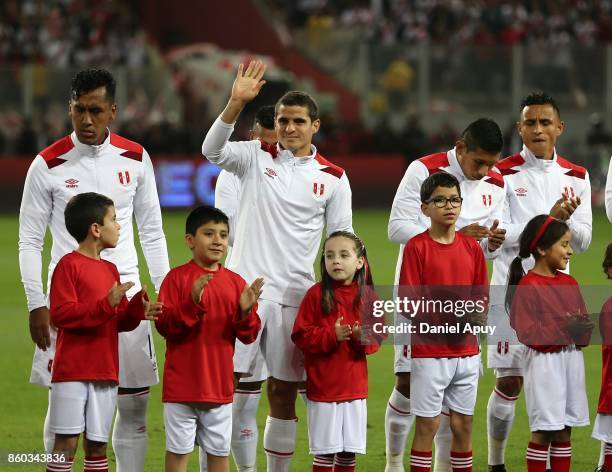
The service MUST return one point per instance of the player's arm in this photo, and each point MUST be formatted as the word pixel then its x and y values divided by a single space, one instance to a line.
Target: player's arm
pixel 339 211
pixel 523 317
pixel 149 222
pixel 234 157
pixel 491 246
pixel 227 192
pixel 179 311
pixel 513 230
pixel 34 216
pixel 581 221
pixel 608 194
pixel 405 221
pixel 309 334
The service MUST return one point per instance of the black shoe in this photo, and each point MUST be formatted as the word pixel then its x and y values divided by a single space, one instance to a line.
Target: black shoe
pixel 497 468
pixel 600 468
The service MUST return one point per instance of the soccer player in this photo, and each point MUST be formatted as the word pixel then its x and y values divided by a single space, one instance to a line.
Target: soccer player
pixel 445 367
pixel 205 308
pixel 289 192
pixel 89 308
pixel 94 159
pixel 472 162
pixel 538 181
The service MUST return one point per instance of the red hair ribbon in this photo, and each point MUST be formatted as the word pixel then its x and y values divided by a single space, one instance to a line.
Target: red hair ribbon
pixel 534 243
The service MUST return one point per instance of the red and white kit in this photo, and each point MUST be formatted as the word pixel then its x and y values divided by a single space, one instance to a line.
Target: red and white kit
pixel 602 429
pixel 121 170
pixel 336 372
pixel 454 383
pixel 532 187
pixel 284 204
pixel 483 202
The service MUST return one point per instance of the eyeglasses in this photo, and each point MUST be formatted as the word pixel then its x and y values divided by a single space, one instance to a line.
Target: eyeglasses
pixel 441 202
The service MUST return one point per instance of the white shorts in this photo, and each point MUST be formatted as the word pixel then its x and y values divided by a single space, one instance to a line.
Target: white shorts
pixel 602 429
pixel 137 361
pixel 503 347
pixel 450 382
pixel 258 369
pixel 284 360
pixel 510 372
pixel 555 391
pixel 186 425
pixel 337 426
pixel 75 407
pixel 402 358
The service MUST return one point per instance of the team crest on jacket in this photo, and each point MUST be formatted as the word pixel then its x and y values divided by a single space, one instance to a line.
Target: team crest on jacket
pixel 124 177
pixel 318 189
pixel 569 191
pixel 72 183
pixel 270 173
pixel 487 199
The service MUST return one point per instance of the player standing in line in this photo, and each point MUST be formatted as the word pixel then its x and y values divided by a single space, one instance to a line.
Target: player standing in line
pixel 472 162
pixel 205 308
pixel 445 368
pixel 89 308
pixel 551 321
pixel 94 159
pixel 330 329
pixel 602 430
pixel 289 193
pixel 538 181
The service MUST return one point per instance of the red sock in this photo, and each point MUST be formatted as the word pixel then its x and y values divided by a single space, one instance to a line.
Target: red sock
pixel 95 464
pixel 560 456
pixel 536 457
pixel 344 462
pixel 608 456
pixel 420 461
pixel 323 463
pixel 461 461
pixel 65 466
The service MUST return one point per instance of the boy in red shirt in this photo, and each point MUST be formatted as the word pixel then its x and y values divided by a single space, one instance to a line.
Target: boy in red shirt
pixel 445 366
pixel 89 308
pixel 205 308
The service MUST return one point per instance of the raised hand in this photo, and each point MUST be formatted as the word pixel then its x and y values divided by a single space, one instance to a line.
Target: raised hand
pixel 248 82
pixel 152 310
pixel 475 231
pixel 356 331
pixel 117 292
pixel 343 331
pixel 564 207
pixel 250 294
pixel 496 236
pixel 198 287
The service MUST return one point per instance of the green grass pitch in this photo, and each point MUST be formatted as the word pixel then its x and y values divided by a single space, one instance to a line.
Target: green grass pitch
pixel 23 406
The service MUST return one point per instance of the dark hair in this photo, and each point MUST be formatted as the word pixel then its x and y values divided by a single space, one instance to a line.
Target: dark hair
pixel 299 99
pixel 439 179
pixel 363 276
pixel 264 117
pixel 607 262
pixel 89 80
pixel 83 210
pixel 553 232
pixel 483 134
pixel 201 215
pixel 540 98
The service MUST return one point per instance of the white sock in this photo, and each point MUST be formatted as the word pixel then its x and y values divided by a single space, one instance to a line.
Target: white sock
pixel 443 440
pixel 602 454
pixel 279 443
pixel 203 458
pixel 48 435
pixel 500 416
pixel 302 393
pixel 244 429
pixel 398 422
pixel 130 432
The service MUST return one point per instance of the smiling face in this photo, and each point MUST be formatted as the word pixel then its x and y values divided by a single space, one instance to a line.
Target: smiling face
pixel 209 244
pixel 295 129
pixel 447 214
pixel 558 255
pixel 91 113
pixel 539 127
pixel 475 164
pixel 341 260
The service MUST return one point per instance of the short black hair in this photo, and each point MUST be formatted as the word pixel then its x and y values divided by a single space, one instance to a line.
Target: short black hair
pixel 607 262
pixel 439 179
pixel 299 99
pixel 483 134
pixel 203 214
pixel 89 80
pixel 540 98
pixel 83 210
pixel 265 117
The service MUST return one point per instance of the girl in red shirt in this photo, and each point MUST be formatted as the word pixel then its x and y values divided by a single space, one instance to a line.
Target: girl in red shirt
pixel 332 329
pixel 550 318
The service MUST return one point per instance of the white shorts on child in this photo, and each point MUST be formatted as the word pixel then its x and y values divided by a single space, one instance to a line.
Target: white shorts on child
pixel 449 381
pixel 337 426
pixel 284 360
pixel 555 391
pixel 602 429
pixel 185 425
pixel 75 407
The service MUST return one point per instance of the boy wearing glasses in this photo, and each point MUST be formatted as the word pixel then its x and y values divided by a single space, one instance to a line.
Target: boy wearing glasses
pixel 472 161
pixel 444 266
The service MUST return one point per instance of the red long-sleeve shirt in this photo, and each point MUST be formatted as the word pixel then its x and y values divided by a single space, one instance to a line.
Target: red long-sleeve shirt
pixel 335 371
pixel 541 306
pixel 450 273
pixel 200 337
pixel 88 327
pixel 605 327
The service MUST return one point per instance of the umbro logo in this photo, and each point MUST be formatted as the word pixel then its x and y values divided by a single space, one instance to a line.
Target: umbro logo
pixel 72 183
pixel 520 192
pixel 270 172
